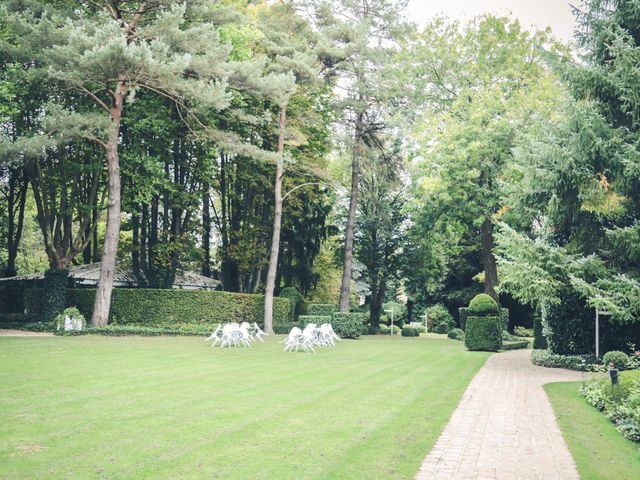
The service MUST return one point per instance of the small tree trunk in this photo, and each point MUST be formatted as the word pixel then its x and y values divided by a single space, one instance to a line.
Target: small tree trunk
pixel 489 260
pixel 277 221
pixel 345 287
pixel 206 232
pixel 102 304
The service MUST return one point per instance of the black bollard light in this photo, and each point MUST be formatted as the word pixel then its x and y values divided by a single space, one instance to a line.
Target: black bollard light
pixel 613 373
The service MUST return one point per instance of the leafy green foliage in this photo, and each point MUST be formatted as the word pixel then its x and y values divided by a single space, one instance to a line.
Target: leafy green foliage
pixel 483 333
pixel 410 332
pixel 317 319
pixel 74 314
pixel 546 358
pixel 539 341
pixel 437 314
pixel 514 345
pixel 483 304
pixel 322 309
pixel 297 302
pixel 618 358
pixel 347 325
pixel 456 334
pixel 520 331
pixel 54 293
pixel 174 308
pixel 441 328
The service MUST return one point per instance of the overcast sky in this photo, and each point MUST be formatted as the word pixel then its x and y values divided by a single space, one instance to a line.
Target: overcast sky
pixel 556 14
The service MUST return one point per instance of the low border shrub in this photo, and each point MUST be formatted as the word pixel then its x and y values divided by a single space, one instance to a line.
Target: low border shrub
pixel 442 328
pixel 410 332
pixel 511 345
pixel 304 320
pixel 322 309
pixel 456 334
pixel 546 358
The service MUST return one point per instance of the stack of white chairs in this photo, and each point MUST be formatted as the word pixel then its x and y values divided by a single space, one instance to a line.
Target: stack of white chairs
pixel 312 336
pixel 235 334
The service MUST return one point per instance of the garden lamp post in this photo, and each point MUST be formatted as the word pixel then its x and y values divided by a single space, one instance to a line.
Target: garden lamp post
pixel 598 313
pixel 390 311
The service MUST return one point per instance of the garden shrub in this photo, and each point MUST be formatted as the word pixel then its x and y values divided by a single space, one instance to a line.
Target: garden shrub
pixel 442 328
pixel 514 345
pixel 170 308
pixel 399 312
pixel 410 332
pixel 621 403
pixel 618 358
pixel 456 334
pixel 504 318
pixel 284 328
pixel 323 309
pixel 437 314
pixel 296 300
pixel 74 314
pixel 483 304
pixel 384 329
pixel 546 358
pixel 32 299
pixel 520 331
pixel 539 342
pixel 305 320
pixel 483 333
pixel 54 293
pixel 421 329
pixel 347 325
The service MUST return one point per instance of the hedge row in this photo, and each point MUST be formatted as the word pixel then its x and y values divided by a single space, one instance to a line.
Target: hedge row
pixel 172 308
pixel 514 345
pixel 317 319
pixel 483 333
pixel 322 309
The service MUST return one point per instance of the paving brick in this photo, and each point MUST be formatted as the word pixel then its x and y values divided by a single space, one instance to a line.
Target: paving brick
pixel 504 426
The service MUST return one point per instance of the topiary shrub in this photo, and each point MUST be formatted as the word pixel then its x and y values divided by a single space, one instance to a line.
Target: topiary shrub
pixel 483 304
pixel 437 314
pixel 305 320
pixel 483 333
pixel 410 332
pixel 297 302
pixel 347 325
pixel 618 358
pixel 323 309
pixel 54 293
pixel 442 328
pixel 456 334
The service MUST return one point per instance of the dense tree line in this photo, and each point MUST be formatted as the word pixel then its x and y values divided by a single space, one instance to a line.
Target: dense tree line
pixel 315 142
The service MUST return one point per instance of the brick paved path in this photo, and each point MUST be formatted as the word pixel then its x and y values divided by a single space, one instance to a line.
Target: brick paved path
pixel 504 426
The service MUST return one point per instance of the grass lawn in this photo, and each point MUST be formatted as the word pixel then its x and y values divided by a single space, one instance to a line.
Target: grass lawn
pixel 600 451
pixel 172 407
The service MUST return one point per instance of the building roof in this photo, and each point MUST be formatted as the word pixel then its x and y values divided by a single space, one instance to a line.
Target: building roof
pixel 88 275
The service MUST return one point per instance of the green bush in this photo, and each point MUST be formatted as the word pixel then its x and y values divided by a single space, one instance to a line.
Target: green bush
pixel 54 293
pixel 464 312
pixel 618 358
pixel 539 342
pixel 399 312
pixel 514 345
pixel 322 309
pixel 504 318
pixel 620 403
pixel 483 333
pixel 520 331
pixel 296 300
pixel 410 332
pixel 456 334
pixel 384 329
pixel 167 308
pixel 305 320
pixel 284 328
pixel 442 328
pixel 483 304
pixel 421 329
pixel 74 314
pixel 546 358
pixel 437 314
pixel 347 325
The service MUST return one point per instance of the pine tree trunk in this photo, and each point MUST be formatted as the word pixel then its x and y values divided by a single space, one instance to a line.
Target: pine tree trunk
pixel 206 232
pixel 345 288
pixel 489 260
pixel 102 304
pixel 277 221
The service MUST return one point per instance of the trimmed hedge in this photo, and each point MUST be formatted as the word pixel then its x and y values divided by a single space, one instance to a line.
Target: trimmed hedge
pixel 545 358
pixel 464 312
pixel 515 345
pixel 168 308
pixel 483 304
pixel 483 333
pixel 322 309
pixel 53 293
pixel 347 325
pixel 305 320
